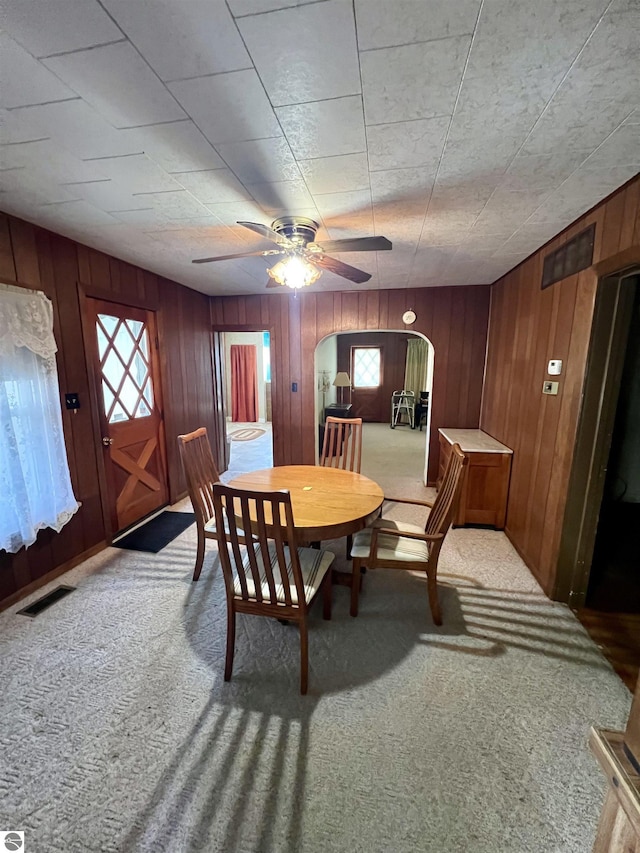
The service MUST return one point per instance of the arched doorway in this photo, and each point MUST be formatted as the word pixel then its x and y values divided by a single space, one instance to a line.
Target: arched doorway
pixel 334 357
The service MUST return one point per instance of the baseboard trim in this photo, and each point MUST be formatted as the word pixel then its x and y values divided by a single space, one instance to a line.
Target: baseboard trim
pixel 15 597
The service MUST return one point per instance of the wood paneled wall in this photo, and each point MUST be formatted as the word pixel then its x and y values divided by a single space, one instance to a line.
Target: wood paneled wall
pixel 39 259
pixel 394 360
pixel 528 327
pixel 454 319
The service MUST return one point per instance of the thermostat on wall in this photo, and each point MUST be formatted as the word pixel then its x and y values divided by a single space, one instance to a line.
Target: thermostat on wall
pixel 554 368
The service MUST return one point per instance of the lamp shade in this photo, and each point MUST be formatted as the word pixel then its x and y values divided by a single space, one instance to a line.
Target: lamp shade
pixel 342 380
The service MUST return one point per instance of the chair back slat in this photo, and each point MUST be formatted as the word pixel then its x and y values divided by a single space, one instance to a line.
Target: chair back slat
pixel 272 544
pixel 342 445
pixel 445 504
pixel 200 472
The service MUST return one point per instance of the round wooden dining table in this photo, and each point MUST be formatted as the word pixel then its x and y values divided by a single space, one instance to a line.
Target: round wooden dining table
pixel 327 503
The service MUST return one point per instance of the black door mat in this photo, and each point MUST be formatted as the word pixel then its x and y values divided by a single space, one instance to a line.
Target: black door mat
pixel 157 533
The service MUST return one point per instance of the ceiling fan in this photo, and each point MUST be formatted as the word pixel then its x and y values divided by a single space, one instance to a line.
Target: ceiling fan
pixel 304 259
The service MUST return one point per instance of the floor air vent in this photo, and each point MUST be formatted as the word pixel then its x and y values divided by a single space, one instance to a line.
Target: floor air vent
pixel 46 601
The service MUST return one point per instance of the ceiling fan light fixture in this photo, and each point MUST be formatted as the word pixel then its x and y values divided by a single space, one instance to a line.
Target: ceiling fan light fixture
pixel 294 272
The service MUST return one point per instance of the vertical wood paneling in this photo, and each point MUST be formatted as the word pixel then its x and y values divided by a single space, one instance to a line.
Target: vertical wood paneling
pixel 453 319
pixel 527 327
pixel 37 258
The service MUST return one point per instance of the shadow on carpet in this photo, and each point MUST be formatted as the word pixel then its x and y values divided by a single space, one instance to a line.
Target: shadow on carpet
pixel 157 533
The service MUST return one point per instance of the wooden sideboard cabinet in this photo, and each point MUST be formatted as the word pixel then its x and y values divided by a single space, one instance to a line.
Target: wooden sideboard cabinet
pixel 485 481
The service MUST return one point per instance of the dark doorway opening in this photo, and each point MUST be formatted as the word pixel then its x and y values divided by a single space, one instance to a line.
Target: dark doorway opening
pixel 614 581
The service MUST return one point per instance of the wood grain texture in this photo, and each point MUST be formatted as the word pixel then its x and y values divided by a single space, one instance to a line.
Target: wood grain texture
pixel 36 258
pixel 454 319
pixel 328 503
pixel 528 327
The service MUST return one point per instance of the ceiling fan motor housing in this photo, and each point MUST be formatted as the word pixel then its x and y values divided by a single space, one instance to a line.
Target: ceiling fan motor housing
pixel 298 229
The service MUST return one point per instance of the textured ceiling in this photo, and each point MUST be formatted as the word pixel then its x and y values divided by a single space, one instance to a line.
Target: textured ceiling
pixel 468 132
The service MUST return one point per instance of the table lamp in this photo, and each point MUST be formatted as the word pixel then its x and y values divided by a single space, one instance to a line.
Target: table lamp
pixel 342 381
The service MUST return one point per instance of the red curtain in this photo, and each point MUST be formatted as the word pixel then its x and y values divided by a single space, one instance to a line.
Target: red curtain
pixel 244 383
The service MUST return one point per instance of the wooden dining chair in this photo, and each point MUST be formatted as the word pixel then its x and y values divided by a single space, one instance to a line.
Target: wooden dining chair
pixel 342 448
pixel 342 445
pixel 270 576
pixel 201 473
pixel 398 545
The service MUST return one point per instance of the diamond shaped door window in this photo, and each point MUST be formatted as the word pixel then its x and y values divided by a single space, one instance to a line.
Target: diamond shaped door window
pixel 123 347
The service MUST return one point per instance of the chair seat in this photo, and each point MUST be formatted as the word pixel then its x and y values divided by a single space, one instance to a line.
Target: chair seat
pixel 392 548
pixel 314 565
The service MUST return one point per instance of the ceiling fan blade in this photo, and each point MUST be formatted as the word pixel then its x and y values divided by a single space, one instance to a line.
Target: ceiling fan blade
pixel 355 244
pixel 272 283
pixel 241 255
pixel 269 233
pixel 339 268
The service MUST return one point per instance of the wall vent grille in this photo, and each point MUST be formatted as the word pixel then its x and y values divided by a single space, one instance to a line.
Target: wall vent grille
pixel 46 601
pixel 575 255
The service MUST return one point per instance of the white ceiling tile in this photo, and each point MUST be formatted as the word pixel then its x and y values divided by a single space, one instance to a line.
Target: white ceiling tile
pixel 305 54
pixel 79 128
pixel 46 157
pixel 213 186
pixel 336 174
pixel 241 8
pixel 228 107
pixel 281 196
pixel 243 211
pixel 622 148
pixel 176 146
pixel 137 172
pixel 46 27
pixel 146 217
pixel 14 129
pixel 384 24
pixel 324 128
pixel 566 124
pixel 77 213
pixel 182 39
pixel 260 161
pixel 118 83
pixel 545 126
pixel 29 81
pixel 176 204
pixel 407 143
pixel 33 188
pixel 409 187
pixel 389 80
pixel 106 194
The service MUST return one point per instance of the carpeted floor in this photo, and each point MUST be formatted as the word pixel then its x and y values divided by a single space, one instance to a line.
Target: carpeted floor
pixel 118 732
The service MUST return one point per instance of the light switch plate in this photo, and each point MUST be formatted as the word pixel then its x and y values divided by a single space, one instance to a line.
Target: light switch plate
pixel 549 387
pixel 554 368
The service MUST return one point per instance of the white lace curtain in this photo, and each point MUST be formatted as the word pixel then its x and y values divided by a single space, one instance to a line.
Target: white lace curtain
pixel 35 486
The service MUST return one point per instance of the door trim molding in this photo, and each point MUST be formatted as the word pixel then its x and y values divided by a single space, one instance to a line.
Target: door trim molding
pixel 91 354
pixel 600 392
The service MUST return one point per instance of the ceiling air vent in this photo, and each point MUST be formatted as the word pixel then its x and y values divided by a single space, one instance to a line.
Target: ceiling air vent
pixel 575 255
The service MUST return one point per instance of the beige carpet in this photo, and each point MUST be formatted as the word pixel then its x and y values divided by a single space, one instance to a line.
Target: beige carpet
pixel 117 732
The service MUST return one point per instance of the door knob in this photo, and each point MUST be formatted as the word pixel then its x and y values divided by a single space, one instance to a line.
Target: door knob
pixel 107 441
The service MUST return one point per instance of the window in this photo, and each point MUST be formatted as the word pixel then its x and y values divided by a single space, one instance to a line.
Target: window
pixel 266 356
pixel 366 367
pixel 35 486
pixel 123 347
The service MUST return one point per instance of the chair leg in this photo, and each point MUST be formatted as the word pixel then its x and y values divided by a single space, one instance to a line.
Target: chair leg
pixel 231 641
pixel 326 595
pixel 349 546
pixel 199 557
pixel 434 604
pixel 304 657
pixel 355 586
